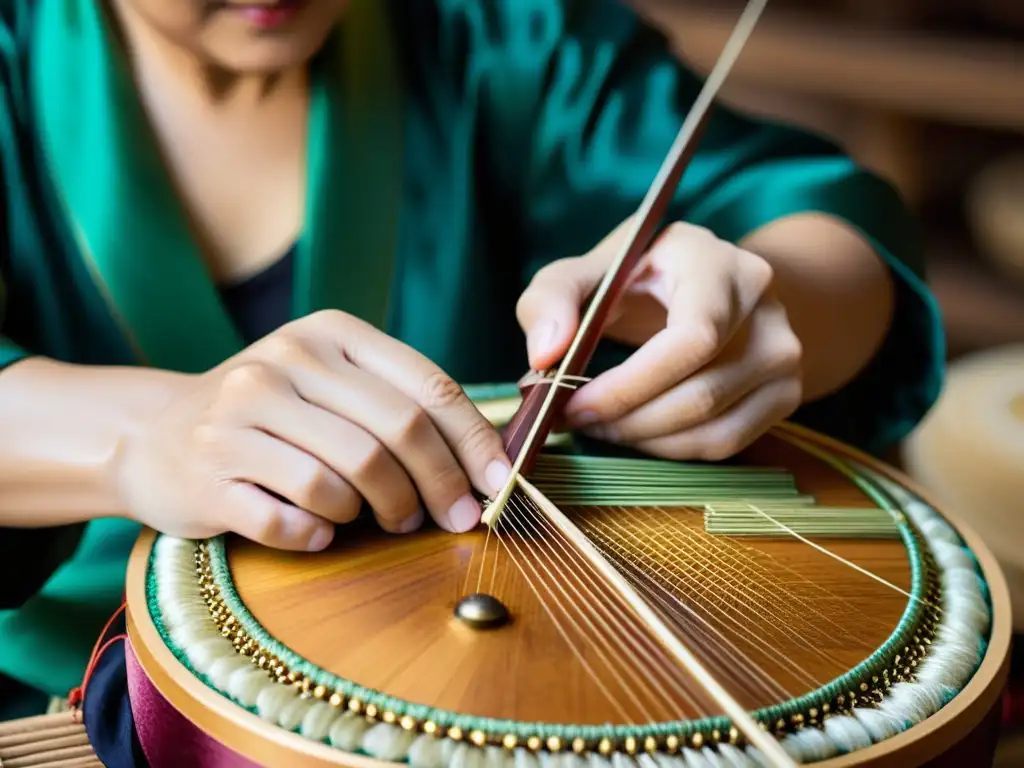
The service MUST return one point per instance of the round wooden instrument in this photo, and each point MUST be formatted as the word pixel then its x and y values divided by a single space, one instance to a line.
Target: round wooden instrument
pixel 857 624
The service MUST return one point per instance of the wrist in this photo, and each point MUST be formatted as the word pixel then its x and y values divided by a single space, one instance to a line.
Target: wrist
pixel 122 470
pixel 68 428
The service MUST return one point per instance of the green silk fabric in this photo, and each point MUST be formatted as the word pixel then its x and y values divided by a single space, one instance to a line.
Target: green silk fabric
pixel 455 148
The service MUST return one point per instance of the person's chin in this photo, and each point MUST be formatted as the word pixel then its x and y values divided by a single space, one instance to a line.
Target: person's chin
pixel 265 57
pixel 272 46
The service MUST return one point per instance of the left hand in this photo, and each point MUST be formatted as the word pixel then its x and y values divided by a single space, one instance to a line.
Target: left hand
pixel 718 363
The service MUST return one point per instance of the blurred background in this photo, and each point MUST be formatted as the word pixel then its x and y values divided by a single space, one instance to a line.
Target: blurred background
pixel 930 93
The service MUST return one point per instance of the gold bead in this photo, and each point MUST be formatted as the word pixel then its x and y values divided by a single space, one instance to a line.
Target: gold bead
pixel 306 684
pixel 716 735
pixel 430 728
pixel 812 712
pixel 605 746
pixel 389 717
pixel 455 733
pixel 734 735
pixel 672 743
pixel 630 745
pixel 320 691
pixel 478 737
pixel 336 700
pixel 797 719
pixel 370 711
pixel 355 705
pixel 697 740
pixel 534 743
pixel 650 744
pixel 579 746
pixel 408 723
pixel 826 708
pixel 554 744
pixel 509 741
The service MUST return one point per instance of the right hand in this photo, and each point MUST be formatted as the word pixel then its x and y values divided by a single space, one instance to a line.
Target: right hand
pixel 325 412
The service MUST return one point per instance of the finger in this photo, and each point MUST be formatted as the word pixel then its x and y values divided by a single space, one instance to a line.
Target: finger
pixel 734 430
pixel 712 284
pixel 764 350
pixel 549 309
pixel 347 449
pixel 670 356
pixel 472 439
pixel 409 434
pixel 259 517
pixel 705 313
pixel 298 476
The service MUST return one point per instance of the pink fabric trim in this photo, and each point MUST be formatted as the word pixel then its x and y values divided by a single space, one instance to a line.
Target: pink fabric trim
pixel 168 738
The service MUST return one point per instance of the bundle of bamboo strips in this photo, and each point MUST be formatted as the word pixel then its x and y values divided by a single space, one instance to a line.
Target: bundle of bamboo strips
pixel 46 741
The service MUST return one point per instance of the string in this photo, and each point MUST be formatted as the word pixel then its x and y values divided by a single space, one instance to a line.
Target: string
pixel 596 634
pixel 745 551
pixel 846 562
pixel 652 589
pixel 702 546
pixel 565 636
pixel 760 739
pixel 744 628
pixel 620 618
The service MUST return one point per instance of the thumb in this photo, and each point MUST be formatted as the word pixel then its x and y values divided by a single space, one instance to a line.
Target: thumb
pixel 549 309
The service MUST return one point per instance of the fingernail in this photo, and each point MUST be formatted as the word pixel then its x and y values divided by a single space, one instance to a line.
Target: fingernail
pixel 464 514
pixel 583 418
pixel 496 475
pixel 320 538
pixel 413 522
pixel 542 337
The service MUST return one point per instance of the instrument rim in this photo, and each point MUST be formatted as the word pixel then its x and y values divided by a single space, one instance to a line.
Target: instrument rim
pixel 239 729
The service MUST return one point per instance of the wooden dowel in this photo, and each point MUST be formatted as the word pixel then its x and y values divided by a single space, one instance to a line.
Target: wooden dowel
pixel 31 737
pixel 43 746
pixel 37 723
pixel 56 757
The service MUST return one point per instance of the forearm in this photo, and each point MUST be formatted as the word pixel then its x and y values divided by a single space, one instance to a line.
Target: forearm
pixel 837 291
pixel 61 430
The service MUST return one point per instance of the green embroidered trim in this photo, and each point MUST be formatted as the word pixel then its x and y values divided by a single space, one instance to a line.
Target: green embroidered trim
pixel 837 694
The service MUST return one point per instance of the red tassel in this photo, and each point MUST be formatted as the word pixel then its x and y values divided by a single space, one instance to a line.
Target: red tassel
pixel 77 695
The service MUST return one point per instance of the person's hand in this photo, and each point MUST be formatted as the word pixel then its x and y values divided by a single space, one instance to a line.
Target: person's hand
pixel 718 363
pixel 287 438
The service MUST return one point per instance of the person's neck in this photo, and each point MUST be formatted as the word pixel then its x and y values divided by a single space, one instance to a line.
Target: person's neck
pixel 161 63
